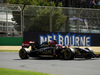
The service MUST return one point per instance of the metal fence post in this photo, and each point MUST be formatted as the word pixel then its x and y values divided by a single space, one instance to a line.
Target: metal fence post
pixel 51 21
pixel 21 23
pixel 6 20
pixel 78 15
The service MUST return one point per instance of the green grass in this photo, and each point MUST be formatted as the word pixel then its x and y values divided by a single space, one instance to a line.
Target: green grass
pixel 97 52
pixel 9 50
pixel 5 71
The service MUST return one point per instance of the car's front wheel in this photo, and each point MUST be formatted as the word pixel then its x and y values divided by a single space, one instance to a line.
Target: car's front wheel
pixel 91 54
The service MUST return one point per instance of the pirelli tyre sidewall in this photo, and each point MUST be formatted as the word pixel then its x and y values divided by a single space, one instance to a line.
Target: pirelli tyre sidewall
pixel 24 53
pixel 69 54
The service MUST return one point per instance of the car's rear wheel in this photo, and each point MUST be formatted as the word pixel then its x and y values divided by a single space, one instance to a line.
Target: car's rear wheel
pixel 69 54
pixel 24 53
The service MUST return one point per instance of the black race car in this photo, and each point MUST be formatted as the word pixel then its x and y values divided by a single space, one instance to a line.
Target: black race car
pixel 51 49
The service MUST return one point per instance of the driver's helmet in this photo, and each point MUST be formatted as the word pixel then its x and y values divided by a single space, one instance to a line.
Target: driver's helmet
pixel 52 43
pixel 45 44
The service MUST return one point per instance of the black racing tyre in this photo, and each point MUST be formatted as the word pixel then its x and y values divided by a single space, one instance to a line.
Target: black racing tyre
pixel 89 56
pixel 69 54
pixel 24 53
pixel 89 49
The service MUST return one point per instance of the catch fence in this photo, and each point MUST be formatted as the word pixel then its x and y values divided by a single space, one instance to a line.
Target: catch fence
pixel 15 19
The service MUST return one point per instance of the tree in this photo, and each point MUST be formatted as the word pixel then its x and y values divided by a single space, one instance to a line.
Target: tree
pixel 38 18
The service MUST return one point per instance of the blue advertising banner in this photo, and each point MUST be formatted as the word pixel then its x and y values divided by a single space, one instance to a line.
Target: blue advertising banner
pixel 65 39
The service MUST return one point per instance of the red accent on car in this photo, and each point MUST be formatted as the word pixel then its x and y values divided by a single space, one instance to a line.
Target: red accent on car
pixel 52 42
pixel 60 46
pixel 68 46
pixel 54 54
pixel 26 43
pixel 31 42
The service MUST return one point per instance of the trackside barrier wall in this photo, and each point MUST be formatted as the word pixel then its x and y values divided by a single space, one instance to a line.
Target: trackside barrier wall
pixel 11 41
pixel 72 39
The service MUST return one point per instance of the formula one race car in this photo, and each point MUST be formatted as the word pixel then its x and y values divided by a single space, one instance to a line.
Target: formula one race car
pixel 51 49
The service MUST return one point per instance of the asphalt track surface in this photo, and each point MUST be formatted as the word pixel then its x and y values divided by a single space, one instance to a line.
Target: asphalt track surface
pixel 78 66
